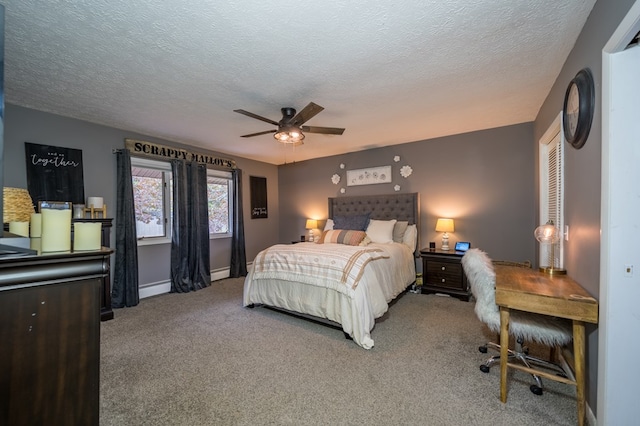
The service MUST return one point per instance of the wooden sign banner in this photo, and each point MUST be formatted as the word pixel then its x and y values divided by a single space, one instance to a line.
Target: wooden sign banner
pixel 150 149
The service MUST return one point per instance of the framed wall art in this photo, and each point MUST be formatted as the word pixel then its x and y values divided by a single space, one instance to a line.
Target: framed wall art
pixel 54 173
pixel 369 176
pixel 258 187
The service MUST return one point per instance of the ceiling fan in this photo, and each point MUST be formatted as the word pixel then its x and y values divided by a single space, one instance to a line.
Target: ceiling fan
pixel 290 127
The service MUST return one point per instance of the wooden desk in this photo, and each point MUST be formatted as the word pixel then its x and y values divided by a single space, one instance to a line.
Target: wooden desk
pixel 528 290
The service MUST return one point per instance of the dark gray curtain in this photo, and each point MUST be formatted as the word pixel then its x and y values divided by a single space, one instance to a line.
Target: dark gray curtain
pixel 125 273
pixel 238 267
pixel 190 266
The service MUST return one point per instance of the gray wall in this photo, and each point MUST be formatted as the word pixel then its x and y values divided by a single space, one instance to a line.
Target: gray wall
pixel 97 142
pixel 484 180
pixel 583 167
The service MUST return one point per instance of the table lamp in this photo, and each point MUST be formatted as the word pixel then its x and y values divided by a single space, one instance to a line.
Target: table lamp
pixel 311 225
pixel 17 205
pixel 549 234
pixel 444 225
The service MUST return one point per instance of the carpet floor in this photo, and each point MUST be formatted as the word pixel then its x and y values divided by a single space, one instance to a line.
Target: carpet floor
pixel 203 359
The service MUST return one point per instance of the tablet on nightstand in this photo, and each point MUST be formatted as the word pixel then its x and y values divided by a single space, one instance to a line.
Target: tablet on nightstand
pixel 462 246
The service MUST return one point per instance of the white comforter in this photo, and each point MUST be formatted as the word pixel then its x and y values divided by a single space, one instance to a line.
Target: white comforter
pixel 345 284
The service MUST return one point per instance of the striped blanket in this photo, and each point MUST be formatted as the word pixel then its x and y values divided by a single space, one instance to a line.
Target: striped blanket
pixel 336 266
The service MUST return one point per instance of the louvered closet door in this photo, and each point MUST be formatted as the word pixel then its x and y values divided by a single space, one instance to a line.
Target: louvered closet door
pixel 552 196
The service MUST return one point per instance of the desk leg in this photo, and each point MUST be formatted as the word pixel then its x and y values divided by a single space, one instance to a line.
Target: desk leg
pixel 578 353
pixel 504 351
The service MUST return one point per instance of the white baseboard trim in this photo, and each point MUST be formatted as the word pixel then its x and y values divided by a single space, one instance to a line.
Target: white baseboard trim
pixel 162 287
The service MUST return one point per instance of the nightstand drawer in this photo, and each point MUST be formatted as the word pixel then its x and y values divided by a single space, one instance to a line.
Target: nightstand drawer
pixel 444 274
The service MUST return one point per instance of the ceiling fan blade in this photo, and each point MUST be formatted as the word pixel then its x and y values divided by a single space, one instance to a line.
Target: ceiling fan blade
pixel 325 130
pixel 257 117
pixel 258 134
pixel 307 113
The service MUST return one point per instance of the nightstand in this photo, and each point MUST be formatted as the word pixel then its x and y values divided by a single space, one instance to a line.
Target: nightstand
pixel 442 273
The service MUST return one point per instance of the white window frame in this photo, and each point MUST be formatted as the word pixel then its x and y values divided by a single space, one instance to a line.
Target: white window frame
pixel 551 170
pixel 224 175
pixel 165 167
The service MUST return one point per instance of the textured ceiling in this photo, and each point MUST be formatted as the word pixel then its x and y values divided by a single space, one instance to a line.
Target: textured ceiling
pixel 388 72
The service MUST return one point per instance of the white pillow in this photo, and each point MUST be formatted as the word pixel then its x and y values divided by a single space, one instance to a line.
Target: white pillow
pixel 329 225
pixel 410 237
pixel 381 231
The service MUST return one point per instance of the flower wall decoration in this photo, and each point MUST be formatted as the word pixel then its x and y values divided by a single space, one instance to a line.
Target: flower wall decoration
pixel 396 158
pixel 342 165
pixel 406 171
pixel 335 179
pixel 371 175
pixel 396 188
pixel 342 190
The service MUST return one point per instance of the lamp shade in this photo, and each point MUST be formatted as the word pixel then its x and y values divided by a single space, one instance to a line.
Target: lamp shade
pixel 547 233
pixel 17 205
pixel 311 224
pixel 444 225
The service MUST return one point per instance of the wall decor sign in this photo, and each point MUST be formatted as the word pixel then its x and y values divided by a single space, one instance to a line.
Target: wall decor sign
pixel 258 187
pixel 150 149
pixel 369 176
pixel 54 173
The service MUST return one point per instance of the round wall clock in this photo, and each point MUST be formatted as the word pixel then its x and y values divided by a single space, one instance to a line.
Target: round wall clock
pixel 577 112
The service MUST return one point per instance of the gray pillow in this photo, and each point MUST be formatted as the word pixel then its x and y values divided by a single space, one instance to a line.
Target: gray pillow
pixel 399 230
pixel 354 222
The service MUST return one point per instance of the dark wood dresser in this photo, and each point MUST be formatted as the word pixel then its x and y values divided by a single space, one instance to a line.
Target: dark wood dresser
pixel 50 332
pixel 442 273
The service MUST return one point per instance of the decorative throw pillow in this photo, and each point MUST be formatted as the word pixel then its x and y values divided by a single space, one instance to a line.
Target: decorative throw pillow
pixel 399 230
pixel 365 242
pixel 381 231
pixel 356 222
pixel 342 236
pixel 410 237
pixel 329 225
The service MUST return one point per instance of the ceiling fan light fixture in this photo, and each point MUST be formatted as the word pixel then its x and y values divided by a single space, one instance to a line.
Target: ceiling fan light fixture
pixel 289 135
pixel 290 127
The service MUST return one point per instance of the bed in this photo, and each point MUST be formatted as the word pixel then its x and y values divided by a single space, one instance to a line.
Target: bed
pixel 337 281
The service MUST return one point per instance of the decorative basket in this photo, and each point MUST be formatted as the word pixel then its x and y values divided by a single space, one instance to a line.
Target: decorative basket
pixel 17 205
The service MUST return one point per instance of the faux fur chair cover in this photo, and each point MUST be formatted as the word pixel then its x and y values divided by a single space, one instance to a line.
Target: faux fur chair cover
pixel 544 329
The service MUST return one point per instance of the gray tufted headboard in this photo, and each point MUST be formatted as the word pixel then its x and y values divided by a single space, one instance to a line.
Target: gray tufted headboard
pixel 382 207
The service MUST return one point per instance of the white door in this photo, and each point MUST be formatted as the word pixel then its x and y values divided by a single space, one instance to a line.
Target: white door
pixel 619 328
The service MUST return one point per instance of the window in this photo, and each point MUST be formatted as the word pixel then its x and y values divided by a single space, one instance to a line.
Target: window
pixel 552 191
pixel 219 190
pixel 152 199
pixel 152 194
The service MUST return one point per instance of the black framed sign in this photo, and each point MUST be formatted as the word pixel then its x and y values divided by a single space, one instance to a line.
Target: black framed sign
pixel 54 173
pixel 258 187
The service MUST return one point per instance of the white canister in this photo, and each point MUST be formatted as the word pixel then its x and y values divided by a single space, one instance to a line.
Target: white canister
pixel 78 211
pixel 96 202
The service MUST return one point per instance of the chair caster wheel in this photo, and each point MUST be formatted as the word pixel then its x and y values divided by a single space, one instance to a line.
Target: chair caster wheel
pixel 536 389
pixel 482 349
pixel 484 368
